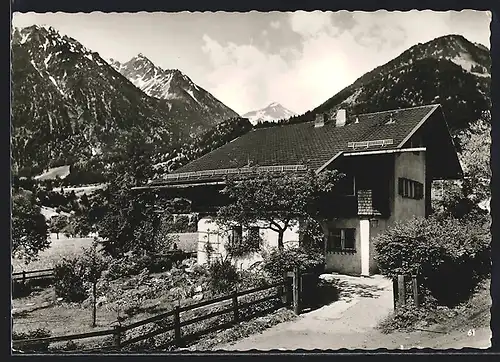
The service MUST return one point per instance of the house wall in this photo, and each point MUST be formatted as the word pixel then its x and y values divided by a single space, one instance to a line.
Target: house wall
pixel 208 232
pixel 409 165
pixel 346 262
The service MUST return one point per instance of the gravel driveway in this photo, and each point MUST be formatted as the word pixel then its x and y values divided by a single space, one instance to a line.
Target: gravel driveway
pixel 345 323
pixel 350 323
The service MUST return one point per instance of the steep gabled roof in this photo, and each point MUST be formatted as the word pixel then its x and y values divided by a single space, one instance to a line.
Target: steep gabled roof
pixel 303 145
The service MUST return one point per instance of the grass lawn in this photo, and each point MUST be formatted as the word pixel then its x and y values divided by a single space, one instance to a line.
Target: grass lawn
pixel 41 309
pixel 59 248
pixel 66 247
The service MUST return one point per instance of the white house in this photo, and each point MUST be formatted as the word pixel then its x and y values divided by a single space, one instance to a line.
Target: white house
pixel 390 158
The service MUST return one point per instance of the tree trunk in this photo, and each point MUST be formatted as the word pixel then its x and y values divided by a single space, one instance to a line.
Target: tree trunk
pixel 94 304
pixel 280 240
pixel 57 235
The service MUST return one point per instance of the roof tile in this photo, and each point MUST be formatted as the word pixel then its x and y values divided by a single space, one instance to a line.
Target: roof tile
pixel 304 144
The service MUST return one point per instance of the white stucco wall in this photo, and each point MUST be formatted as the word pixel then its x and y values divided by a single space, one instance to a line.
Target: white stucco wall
pixel 209 232
pixel 345 262
pixel 410 165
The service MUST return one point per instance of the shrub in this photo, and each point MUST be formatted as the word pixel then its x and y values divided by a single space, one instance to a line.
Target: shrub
pixel 404 318
pixel 160 263
pixel 65 347
pixel 133 264
pixel 251 279
pixel 277 262
pixel 20 289
pixel 223 276
pixel 34 334
pixel 69 276
pixel 450 256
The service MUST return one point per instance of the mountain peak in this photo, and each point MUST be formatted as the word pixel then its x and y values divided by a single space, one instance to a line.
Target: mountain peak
pixel 142 58
pixel 172 85
pixel 272 113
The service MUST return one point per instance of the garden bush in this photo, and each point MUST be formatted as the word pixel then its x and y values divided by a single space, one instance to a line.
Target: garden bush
pixel 405 318
pixel 34 334
pixel 69 280
pixel 450 256
pixel 277 262
pixel 133 264
pixel 20 289
pixel 223 276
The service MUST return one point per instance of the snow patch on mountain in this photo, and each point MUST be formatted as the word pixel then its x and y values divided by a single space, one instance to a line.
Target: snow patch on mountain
pixel 190 92
pixel 272 113
pixel 172 84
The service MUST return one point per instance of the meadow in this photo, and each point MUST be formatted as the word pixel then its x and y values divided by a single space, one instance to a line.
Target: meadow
pixel 59 248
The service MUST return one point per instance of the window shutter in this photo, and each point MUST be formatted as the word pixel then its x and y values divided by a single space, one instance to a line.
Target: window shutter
pixel 349 238
pixel 334 240
pixel 400 186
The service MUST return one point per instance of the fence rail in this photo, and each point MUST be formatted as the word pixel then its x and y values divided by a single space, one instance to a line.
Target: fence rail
pixel 235 306
pixel 24 276
pixel 72 337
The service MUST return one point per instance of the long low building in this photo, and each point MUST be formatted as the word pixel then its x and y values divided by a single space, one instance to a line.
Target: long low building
pixel 390 160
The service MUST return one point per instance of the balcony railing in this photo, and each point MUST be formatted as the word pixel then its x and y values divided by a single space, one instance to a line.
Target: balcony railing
pixel 231 171
pixel 368 144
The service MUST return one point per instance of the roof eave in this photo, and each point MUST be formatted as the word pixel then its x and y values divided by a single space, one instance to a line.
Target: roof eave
pixel 418 126
pixel 330 161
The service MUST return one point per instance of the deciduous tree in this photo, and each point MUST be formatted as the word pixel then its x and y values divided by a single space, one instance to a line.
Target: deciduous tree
pixel 125 219
pixel 29 228
pixel 276 199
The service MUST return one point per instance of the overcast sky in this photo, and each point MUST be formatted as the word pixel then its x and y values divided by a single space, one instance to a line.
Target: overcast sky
pixel 248 60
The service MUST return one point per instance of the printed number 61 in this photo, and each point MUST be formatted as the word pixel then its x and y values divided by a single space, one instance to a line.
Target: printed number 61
pixel 471 332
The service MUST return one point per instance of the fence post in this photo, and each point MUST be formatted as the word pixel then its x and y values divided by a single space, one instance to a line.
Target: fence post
pixel 24 277
pixel 117 336
pixel 395 292
pixel 296 290
pixel 177 326
pixel 401 290
pixel 284 289
pixel 415 290
pixel 235 307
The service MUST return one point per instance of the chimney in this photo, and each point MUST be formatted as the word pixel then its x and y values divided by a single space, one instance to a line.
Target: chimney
pixel 341 118
pixel 320 120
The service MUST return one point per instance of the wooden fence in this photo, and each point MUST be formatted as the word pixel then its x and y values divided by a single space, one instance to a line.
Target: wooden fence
pixel 174 320
pixel 25 276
